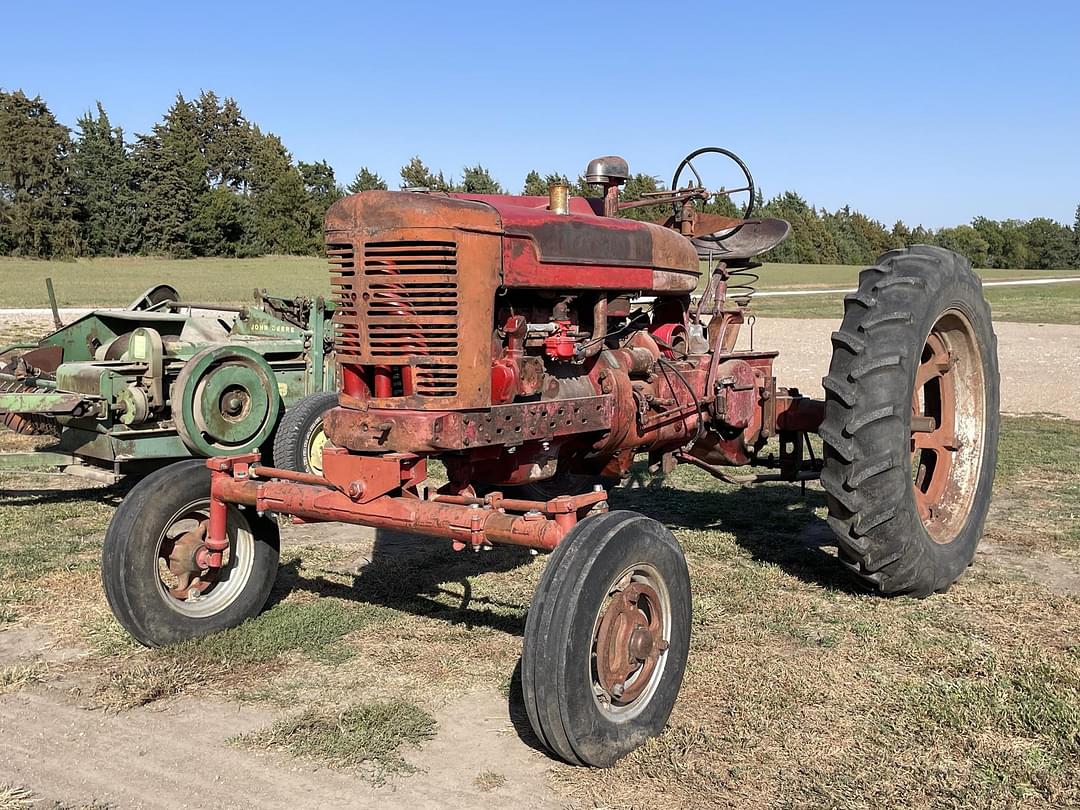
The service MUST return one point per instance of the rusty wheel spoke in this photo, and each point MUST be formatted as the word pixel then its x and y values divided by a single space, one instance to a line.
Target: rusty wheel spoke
pixel 922 505
pixel 939 441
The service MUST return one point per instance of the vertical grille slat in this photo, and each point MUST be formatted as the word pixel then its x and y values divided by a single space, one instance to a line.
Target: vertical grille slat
pixel 398 306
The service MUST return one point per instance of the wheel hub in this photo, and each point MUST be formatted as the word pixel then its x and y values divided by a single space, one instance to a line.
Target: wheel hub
pixel 185 560
pixel 629 641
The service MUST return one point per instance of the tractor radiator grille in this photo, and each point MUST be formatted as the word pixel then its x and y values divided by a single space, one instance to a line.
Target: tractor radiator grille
pixel 343 291
pixel 400 307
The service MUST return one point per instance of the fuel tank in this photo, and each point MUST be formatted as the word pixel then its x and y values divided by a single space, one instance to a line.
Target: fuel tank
pixel 540 249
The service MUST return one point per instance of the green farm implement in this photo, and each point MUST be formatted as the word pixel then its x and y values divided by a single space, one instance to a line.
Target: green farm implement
pixel 126 391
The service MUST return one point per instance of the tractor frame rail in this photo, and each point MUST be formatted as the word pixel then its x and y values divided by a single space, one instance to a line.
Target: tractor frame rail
pixel 383 492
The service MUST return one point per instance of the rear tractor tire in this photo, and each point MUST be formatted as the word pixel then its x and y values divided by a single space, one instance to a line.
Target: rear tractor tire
pixel 911 421
pixel 155 588
pixel 607 638
pixel 300 438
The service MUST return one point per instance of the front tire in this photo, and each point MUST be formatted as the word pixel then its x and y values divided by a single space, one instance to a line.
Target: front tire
pixel 607 638
pixel 154 589
pixel 911 421
pixel 300 438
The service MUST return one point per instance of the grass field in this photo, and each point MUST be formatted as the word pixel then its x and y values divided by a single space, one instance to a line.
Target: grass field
pixel 802 690
pixel 117 282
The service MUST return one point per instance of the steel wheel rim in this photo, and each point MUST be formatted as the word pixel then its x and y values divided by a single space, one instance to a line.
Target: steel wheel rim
pixel 316 441
pixel 224 585
pixel 645 678
pixel 948 408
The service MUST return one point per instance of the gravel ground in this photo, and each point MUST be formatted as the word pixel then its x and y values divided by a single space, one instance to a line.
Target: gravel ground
pixel 1040 363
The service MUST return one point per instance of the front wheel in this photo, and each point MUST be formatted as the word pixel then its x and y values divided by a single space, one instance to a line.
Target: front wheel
pixel 911 421
pixel 300 438
pixel 154 585
pixel 607 638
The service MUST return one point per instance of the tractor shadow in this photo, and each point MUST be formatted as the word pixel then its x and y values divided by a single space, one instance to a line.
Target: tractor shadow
pixel 420 576
pixel 71 491
pixel 775 523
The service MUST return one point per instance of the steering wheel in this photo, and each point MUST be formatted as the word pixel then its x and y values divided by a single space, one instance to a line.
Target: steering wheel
pixel 687 163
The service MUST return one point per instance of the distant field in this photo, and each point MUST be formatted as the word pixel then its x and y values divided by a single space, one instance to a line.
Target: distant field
pixel 116 282
pixel 818 276
pixel 1050 303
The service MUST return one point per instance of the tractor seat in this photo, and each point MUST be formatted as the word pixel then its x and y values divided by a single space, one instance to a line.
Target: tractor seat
pixel 742 239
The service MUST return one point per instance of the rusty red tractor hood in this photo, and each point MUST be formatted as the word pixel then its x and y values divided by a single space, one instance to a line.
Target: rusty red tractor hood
pixel 541 249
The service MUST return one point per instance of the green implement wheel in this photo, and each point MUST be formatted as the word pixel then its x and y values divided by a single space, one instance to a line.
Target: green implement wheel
pixel 225 401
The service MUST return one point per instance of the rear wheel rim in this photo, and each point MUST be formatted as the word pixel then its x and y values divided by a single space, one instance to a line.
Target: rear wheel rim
pixel 194 591
pixel 948 418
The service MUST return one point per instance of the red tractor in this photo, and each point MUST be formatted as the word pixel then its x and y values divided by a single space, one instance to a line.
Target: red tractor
pixel 537 346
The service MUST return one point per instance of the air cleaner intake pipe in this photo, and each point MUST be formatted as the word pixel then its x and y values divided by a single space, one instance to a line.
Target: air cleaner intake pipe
pixel 559 198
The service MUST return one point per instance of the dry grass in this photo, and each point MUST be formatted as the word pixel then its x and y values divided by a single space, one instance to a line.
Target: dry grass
pixel 17 676
pixel 365 736
pixel 13 797
pixel 802 690
pixel 144 681
pixel 488 781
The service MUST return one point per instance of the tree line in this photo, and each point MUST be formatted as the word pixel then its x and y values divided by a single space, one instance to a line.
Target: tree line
pixel 206 181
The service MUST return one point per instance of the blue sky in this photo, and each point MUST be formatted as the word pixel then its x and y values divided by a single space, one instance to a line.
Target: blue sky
pixel 932 112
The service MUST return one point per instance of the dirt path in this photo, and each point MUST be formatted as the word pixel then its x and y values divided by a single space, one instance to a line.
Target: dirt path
pixel 148 757
pixel 1040 363
pixel 175 754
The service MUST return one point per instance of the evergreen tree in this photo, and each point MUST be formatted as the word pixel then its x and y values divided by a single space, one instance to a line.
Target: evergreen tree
pixel 320 183
pixel 227 141
pixel 223 225
pixel 534 185
pixel 478 180
pixel 637 186
pixel 322 191
pixel 415 174
pixel 580 188
pixel 280 202
pixel 103 184
pixel 35 216
pixel 171 172
pixel 366 180
pixel 1076 240
pixel 537 186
